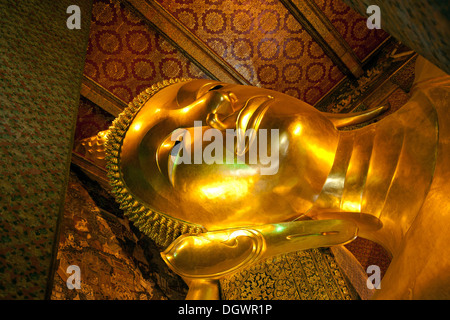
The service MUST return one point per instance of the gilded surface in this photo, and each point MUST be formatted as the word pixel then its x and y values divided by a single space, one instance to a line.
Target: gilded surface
pixel 217 197
pixel 359 176
pixel 159 226
pixel 165 229
pixel 215 254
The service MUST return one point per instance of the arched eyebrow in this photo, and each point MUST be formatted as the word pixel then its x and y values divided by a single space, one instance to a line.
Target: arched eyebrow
pixel 211 86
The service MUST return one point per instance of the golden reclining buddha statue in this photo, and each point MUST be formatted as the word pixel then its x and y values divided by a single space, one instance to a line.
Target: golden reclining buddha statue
pixel 222 176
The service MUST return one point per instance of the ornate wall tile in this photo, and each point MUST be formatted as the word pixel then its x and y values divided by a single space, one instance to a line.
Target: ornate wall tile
pixel 352 27
pixel 303 275
pixel 126 56
pixel 263 43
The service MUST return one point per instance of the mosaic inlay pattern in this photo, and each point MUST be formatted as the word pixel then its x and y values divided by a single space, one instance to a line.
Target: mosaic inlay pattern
pixel 302 275
pixel 41 63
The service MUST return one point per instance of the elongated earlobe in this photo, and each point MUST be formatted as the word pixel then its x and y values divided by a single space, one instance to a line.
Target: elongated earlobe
pixel 347 119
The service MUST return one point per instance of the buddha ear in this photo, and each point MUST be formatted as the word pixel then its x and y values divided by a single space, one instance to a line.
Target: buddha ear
pixel 347 119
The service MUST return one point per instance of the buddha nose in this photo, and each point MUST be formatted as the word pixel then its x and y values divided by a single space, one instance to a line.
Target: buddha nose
pixel 223 112
pixel 222 122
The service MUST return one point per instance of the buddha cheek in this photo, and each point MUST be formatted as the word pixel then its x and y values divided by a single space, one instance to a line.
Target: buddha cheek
pixel 215 184
pixel 226 195
pixel 214 198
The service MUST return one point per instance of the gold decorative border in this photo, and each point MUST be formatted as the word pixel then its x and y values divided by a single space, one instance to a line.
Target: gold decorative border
pixel 160 227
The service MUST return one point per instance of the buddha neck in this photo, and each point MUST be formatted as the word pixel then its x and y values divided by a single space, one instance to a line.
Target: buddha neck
pixel 383 170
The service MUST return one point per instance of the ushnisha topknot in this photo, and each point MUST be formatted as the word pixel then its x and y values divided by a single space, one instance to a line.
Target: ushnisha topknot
pixel 160 227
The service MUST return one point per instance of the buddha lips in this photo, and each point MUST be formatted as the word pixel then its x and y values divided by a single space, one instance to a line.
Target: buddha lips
pixel 249 147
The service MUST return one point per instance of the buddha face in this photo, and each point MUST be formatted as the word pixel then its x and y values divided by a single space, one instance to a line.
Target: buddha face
pixel 223 155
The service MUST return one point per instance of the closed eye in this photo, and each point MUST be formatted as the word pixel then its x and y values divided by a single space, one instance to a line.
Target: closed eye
pixel 219 86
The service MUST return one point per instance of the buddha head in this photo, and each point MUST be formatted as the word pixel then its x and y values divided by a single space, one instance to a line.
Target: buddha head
pixel 200 155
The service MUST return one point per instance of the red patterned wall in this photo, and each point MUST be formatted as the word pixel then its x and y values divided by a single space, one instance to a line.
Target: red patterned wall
pixel 263 42
pixel 126 56
pixel 352 27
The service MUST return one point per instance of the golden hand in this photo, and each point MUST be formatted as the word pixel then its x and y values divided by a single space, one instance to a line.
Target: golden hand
pixel 201 259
